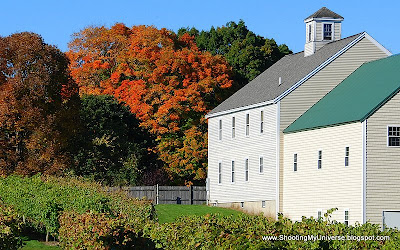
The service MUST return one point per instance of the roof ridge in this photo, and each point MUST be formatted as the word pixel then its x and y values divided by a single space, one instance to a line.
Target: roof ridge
pixel 325 12
pixel 293 69
pixel 358 34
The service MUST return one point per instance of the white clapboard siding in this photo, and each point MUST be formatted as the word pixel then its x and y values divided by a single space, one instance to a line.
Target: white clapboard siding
pixel 260 186
pixel 310 189
pixel 301 99
pixel 338 28
pixel 318 31
pixel 383 162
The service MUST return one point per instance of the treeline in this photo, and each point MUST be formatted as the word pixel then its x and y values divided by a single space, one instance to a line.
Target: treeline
pixel 124 106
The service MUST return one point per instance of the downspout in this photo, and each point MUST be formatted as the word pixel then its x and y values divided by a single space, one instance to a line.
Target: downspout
pixel 278 141
pixel 364 172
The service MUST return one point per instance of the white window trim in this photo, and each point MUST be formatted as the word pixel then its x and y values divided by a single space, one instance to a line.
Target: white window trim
pixel 387 136
pixel 315 31
pixel 333 31
pixel 318 158
pixel 245 124
pixel 259 172
pixel 297 161
pixel 248 169
pixel 220 173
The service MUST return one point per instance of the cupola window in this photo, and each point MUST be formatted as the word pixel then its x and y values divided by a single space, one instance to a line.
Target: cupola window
pixel 327 31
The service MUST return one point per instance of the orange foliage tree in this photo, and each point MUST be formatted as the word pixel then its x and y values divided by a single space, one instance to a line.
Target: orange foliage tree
pixel 39 105
pixel 165 80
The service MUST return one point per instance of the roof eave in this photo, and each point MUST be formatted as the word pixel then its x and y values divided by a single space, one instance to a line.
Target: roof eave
pixel 229 111
pixel 323 19
pixel 285 131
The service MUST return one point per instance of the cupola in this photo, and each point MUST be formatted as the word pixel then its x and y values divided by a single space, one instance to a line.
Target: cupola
pixel 322 27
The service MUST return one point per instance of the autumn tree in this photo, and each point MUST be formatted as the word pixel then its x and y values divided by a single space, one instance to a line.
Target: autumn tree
pixel 248 54
pixel 38 106
pixel 167 82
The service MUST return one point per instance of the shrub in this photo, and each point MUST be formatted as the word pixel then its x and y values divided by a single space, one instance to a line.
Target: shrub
pixel 10 227
pixel 99 231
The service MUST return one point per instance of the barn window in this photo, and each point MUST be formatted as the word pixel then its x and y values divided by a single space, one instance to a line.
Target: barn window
pixel 320 159
pixel 220 130
pixel 246 170
pixel 295 162
pixel 261 165
pixel 233 127
pixel 262 121
pixel 393 136
pixel 220 172
pixel 346 156
pixel 233 171
pixel 327 31
pixel 262 204
pixel 319 214
pixel 346 217
pixel 247 124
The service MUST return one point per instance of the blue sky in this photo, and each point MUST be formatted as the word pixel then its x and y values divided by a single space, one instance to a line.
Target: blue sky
pixel 57 20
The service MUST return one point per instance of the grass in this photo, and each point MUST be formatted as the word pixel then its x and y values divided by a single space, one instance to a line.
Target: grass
pixel 36 245
pixel 170 212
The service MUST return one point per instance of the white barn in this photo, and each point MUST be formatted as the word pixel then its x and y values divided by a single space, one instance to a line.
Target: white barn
pixel 245 136
pixel 344 152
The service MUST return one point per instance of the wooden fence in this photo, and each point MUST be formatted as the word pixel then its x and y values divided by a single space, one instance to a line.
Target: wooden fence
pixel 169 194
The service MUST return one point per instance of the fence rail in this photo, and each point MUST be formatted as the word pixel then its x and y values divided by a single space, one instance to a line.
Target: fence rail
pixel 195 195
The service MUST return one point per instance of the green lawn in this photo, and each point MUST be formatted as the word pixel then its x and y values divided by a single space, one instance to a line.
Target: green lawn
pixel 169 212
pixel 36 245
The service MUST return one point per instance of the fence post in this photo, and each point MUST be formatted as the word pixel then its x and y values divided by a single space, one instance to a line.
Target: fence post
pixel 208 191
pixel 157 195
pixel 191 194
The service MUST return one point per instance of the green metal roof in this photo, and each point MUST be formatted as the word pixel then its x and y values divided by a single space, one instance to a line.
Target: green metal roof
pixel 355 98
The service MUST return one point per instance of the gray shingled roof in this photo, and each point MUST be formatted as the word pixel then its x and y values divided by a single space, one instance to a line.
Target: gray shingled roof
pixel 290 68
pixel 325 12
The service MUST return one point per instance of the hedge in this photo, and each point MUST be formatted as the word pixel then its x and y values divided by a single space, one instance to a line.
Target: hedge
pixel 42 200
pixel 247 231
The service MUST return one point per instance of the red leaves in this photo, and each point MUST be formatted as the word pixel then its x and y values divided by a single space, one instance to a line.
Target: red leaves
pixel 38 110
pixel 167 82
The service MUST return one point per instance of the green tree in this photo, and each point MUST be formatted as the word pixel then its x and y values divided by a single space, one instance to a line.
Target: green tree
pixel 113 149
pixel 249 54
